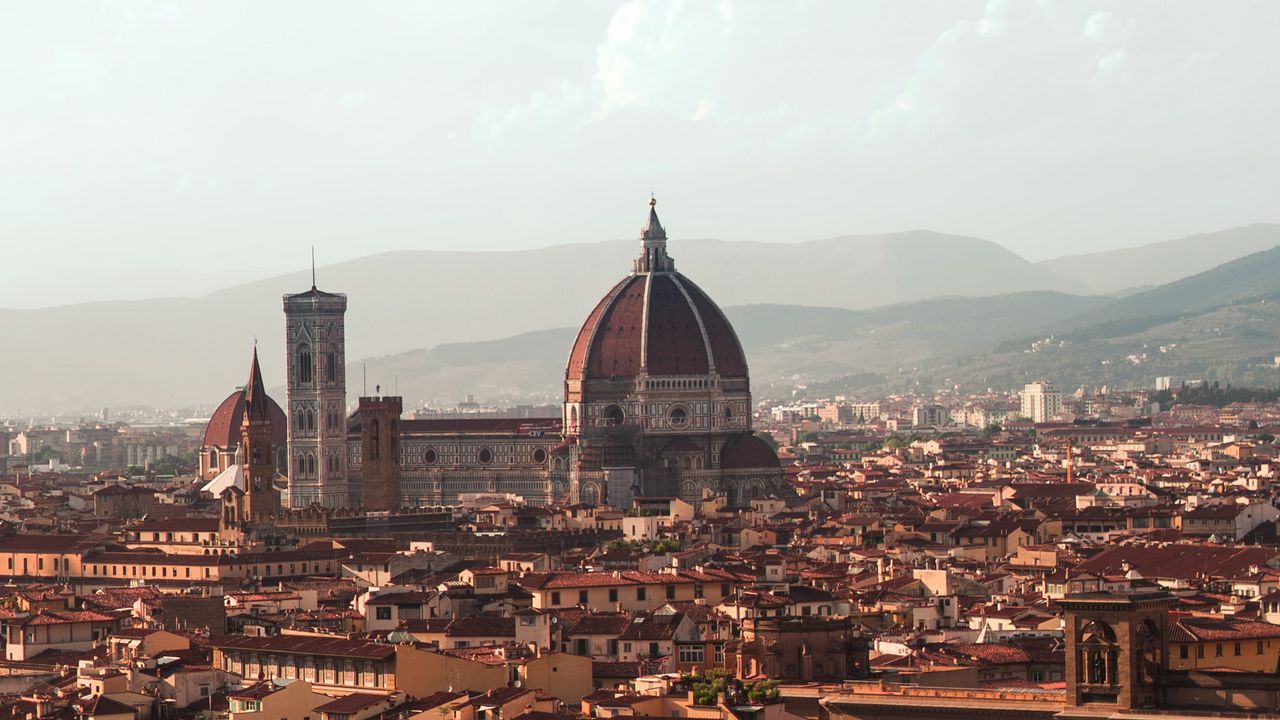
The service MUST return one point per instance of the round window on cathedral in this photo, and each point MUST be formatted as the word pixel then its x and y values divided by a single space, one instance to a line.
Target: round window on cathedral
pixel 613 415
pixel 430 457
pixel 486 456
pixel 679 417
pixel 539 456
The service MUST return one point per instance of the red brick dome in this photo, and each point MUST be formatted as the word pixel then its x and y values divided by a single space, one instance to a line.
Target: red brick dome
pixel 748 452
pixel 223 429
pixel 658 322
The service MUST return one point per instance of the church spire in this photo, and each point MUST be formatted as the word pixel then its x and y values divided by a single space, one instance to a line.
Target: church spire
pixel 653 244
pixel 255 393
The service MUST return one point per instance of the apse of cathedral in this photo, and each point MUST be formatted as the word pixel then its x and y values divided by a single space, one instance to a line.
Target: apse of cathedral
pixel 657 402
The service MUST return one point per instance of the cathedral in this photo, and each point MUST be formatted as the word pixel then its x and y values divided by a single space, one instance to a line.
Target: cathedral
pixel 657 397
pixel 657 401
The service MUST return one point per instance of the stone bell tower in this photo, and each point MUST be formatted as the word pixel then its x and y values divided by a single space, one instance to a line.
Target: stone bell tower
pixel 1116 648
pixel 379 422
pixel 248 507
pixel 315 348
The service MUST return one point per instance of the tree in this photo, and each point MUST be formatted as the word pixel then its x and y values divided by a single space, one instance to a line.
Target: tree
pixel 707 686
pixel 764 691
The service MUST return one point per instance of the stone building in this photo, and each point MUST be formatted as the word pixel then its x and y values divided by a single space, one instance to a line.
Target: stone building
pixel 657 396
pixel 804 649
pixel 315 329
pixel 249 505
pixel 657 402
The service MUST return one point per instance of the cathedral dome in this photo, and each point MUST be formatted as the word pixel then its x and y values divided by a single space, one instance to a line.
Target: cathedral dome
pixel 223 429
pixel 748 451
pixel 656 322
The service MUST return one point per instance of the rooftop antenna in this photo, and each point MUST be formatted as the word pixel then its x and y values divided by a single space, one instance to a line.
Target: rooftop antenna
pixel 364 368
pixel 313 267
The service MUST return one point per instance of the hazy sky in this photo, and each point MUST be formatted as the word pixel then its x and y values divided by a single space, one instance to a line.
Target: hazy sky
pixel 168 148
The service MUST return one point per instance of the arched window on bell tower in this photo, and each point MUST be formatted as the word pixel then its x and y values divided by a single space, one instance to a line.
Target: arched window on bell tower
pixel 306 365
pixel 1098 656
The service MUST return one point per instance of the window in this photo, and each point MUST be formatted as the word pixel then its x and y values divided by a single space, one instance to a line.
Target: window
pixel 555 598
pixel 582 597
pixel 331 367
pixel 1237 647
pixel 613 415
pixel 679 417
pixel 1259 647
pixel 1218 650
pixel 429 457
pixel 640 595
pixel 1183 651
pixel 692 654
pixel 304 364
pixel 1199 651
pixel 374 443
pixel 383 612
pixel 671 592
pixel 613 647
pixel 486 456
pixel 654 650
pixel 613 594
pixel 539 456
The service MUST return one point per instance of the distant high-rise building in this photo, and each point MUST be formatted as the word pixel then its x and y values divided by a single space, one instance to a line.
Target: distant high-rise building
pixel 317 398
pixel 1041 402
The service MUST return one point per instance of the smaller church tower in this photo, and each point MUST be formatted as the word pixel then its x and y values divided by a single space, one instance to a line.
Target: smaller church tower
pixel 249 505
pixel 379 421
pixel 262 499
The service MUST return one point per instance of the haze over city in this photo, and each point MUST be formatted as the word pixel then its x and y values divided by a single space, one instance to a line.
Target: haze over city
pixel 175 149
pixel 645 360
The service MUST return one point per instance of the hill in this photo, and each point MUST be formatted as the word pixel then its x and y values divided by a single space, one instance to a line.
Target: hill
pixel 1222 324
pixel 785 344
pixel 193 351
pixel 1162 262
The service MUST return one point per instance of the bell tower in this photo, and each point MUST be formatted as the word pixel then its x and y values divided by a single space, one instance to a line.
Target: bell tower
pixel 315 351
pixel 261 499
pixel 248 506
pixel 1116 648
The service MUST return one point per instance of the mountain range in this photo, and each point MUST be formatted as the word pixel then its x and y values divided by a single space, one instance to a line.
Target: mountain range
pixel 874 310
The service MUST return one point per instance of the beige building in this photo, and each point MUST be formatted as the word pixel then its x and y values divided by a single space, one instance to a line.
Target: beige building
pixel 1040 401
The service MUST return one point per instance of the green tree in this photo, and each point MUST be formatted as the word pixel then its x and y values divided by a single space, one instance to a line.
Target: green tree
pixel 764 691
